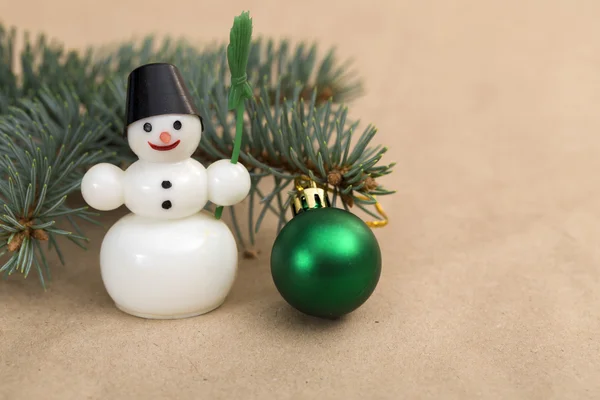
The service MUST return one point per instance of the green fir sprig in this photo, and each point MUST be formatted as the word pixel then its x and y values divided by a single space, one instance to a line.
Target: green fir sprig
pixel 45 144
pixel 64 112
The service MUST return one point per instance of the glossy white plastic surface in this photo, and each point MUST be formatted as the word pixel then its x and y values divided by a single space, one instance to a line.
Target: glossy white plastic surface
pixel 228 183
pixel 168 269
pixel 167 259
pixel 102 187
pixel 145 194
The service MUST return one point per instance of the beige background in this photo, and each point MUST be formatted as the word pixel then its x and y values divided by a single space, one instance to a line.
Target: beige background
pixel 491 282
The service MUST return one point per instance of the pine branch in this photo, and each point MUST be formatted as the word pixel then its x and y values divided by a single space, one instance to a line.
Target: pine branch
pixel 45 145
pixel 65 113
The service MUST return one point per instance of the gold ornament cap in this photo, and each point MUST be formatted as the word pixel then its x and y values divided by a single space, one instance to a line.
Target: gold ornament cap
pixel 308 197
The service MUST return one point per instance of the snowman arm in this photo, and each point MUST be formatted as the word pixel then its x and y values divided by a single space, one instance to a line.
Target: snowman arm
pixel 228 183
pixel 102 187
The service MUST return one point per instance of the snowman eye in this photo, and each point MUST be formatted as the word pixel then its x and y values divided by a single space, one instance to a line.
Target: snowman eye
pixel 177 125
pixel 147 127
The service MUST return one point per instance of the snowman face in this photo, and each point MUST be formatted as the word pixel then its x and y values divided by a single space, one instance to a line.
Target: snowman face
pixel 165 138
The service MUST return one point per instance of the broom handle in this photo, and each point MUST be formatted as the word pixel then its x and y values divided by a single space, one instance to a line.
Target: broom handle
pixel 237 144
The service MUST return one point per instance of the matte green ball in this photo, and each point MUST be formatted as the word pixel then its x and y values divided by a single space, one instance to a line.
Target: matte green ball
pixel 326 262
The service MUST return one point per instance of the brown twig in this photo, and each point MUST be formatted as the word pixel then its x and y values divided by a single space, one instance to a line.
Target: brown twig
pixel 17 240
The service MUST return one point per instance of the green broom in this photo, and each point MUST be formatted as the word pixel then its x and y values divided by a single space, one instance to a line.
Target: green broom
pixel 237 57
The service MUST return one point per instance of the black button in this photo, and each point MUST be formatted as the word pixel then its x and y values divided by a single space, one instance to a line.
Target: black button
pixel 166 184
pixel 166 204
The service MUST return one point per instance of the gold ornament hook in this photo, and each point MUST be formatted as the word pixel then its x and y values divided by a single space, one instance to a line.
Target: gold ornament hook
pixel 380 211
pixel 309 196
pixel 308 183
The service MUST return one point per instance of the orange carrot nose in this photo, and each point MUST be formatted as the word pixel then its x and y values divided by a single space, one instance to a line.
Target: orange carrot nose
pixel 165 137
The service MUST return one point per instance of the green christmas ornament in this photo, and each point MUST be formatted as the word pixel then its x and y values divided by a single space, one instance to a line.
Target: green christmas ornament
pixel 326 262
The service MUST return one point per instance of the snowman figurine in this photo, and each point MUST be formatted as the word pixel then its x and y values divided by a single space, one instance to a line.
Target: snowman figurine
pixel 168 258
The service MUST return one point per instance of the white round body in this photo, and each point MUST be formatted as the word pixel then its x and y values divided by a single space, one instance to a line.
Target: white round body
pixel 165 190
pixel 166 269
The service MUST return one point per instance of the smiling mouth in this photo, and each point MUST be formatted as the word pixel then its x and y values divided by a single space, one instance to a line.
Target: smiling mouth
pixel 164 148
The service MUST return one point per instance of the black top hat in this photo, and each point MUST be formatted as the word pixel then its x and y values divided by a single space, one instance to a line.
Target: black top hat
pixel 157 89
